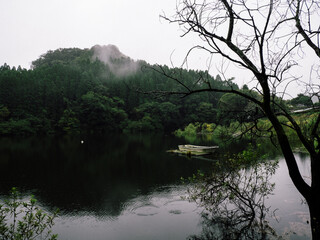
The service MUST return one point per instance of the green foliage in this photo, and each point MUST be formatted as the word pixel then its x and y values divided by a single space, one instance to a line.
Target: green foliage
pixel 69 123
pixel 100 113
pixel 16 127
pixel 146 124
pixel 260 131
pixel 164 115
pixel 69 91
pixel 302 100
pixel 233 107
pixel 60 56
pixel 24 220
pixel 4 113
pixel 190 129
pixel 209 130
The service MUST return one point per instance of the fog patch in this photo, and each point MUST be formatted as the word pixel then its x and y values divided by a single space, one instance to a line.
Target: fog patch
pixel 315 99
pixel 119 64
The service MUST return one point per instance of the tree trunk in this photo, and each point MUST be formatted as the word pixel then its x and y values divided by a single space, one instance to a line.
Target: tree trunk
pixel 314 200
pixel 314 209
pixel 291 162
pixel 310 193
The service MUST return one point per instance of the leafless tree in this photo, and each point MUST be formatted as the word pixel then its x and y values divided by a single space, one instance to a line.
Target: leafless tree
pixel 234 201
pixel 267 39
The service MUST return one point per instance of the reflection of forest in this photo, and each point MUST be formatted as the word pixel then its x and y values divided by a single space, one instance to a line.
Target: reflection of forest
pixel 104 174
pixel 99 176
pixel 234 202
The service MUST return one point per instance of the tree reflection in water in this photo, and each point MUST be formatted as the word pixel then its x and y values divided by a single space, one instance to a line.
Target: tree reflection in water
pixel 233 197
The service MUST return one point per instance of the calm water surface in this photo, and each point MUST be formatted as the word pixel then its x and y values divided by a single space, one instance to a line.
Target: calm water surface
pixel 126 187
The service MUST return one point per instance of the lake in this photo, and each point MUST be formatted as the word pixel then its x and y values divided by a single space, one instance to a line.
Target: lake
pixel 127 187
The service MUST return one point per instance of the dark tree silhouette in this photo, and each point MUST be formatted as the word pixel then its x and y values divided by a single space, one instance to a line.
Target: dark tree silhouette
pixel 267 39
pixel 234 201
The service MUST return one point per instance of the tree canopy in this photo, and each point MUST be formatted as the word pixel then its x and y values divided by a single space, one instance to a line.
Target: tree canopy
pixel 79 91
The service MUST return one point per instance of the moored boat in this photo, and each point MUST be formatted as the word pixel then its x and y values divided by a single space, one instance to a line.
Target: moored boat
pixel 195 148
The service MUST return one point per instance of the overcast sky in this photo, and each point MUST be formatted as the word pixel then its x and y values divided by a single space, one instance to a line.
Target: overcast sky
pixel 30 28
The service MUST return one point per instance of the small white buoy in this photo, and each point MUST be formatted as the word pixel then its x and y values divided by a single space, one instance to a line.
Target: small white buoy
pixel 82 141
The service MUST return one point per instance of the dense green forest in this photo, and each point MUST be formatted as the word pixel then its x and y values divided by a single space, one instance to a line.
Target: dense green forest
pixel 100 90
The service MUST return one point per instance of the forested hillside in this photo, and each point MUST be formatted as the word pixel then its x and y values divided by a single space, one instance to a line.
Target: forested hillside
pixel 101 90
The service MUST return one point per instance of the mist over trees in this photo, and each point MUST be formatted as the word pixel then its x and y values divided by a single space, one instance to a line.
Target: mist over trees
pixel 98 90
pixel 102 90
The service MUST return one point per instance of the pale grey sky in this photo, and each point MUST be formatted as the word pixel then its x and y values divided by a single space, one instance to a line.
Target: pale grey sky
pixel 30 28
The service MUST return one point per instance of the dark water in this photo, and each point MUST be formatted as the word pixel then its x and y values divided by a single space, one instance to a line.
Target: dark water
pixel 125 187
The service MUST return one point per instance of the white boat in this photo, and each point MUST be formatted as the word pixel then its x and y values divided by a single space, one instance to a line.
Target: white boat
pixel 194 148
